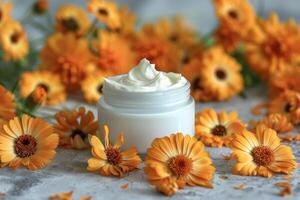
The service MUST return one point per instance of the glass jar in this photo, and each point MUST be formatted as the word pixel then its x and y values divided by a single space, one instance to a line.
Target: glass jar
pixel 144 116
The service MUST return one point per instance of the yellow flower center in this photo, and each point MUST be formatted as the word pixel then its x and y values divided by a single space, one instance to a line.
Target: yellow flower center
pixel 219 130
pixel 221 74
pixel 262 155
pixel 39 94
pixel 102 11
pixel 14 38
pixel 113 156
pixel 180 165
pixel 25 146
pixel 78 132
pixel 70 24
pixel 232 13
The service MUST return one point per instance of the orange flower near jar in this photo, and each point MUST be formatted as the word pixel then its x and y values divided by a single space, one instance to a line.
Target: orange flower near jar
pixel 114 53
pixel 277 50
pixel 108 159
pixel 74 126
pixel 237 15
pixel 92 86
pixel 180 158
pixel 13 40
pixel 44 86
pixel 72 19
pixel 287 103
pixel 217 129
pixel 221 74
pixel 5 10
pixel 7 106
pixel 154 46
pixel 28 142
pixel 69 57
pixel 261 154
pixel 106 12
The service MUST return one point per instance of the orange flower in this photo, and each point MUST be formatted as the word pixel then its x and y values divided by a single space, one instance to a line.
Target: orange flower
pixel 217 129
pixel 114 53
pixel 221 74
pixel 151 44
pixel 277 50
pixel 5 10
pixel 106 12
pixel 227 38
pixel 74 127
pixel 286 80
pixel 13 40
pixel 42 83
pixel 237 15
pixel 7 106
pixel 108 159
pixel 92 86
pixel 287 103
pixel 192 72
pixel 28 142
pixel 278 122
pixel 181 158
pixel 72 18
pixel 261 154
pixel 67 56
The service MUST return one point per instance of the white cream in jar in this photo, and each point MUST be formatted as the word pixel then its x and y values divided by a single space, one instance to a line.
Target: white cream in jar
pixel 146 104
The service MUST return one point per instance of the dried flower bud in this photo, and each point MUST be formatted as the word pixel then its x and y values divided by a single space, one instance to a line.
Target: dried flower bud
pixel 40 6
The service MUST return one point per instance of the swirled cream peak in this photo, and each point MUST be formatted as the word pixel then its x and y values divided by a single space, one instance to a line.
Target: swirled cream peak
pixel 145 78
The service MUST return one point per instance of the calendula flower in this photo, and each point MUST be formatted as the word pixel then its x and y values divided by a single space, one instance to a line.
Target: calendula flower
pixel 287 103
pixel 43 83
pixel 237 15
pixel 114 53
pixel 178 157
pixel 92 86
pixel 278 49
pixel 108 159
pixel 7 105
pixel 285 80
pixel 261 154
pixel 106 12
pixel 67 56
pixel 228 39
pixel 192 72
pixel 13 40
pixel 278 122
pixel 217 129
pixel 74 126
pixel 72 18
pixel 28 142
pixel 158 49
pixel 5 10
pixel 221 74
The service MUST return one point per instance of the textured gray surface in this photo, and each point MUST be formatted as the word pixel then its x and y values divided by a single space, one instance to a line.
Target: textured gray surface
pixel 67 173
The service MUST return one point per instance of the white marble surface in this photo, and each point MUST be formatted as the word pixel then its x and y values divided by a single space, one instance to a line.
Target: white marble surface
pixel 67 173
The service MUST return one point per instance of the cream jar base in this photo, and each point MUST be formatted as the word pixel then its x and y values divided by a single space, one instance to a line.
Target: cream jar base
pixel 141 129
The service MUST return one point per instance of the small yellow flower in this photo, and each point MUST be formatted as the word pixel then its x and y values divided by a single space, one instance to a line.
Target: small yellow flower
pixel 106 12
pixel 92 86
pixel 178 157
pixel 13 40
pixel 71 18
pixel 261 154
pixel 74 127
pixel 28 142
pixel 38 82
pixel 7 105
pixel 217 129
pixel 108 159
